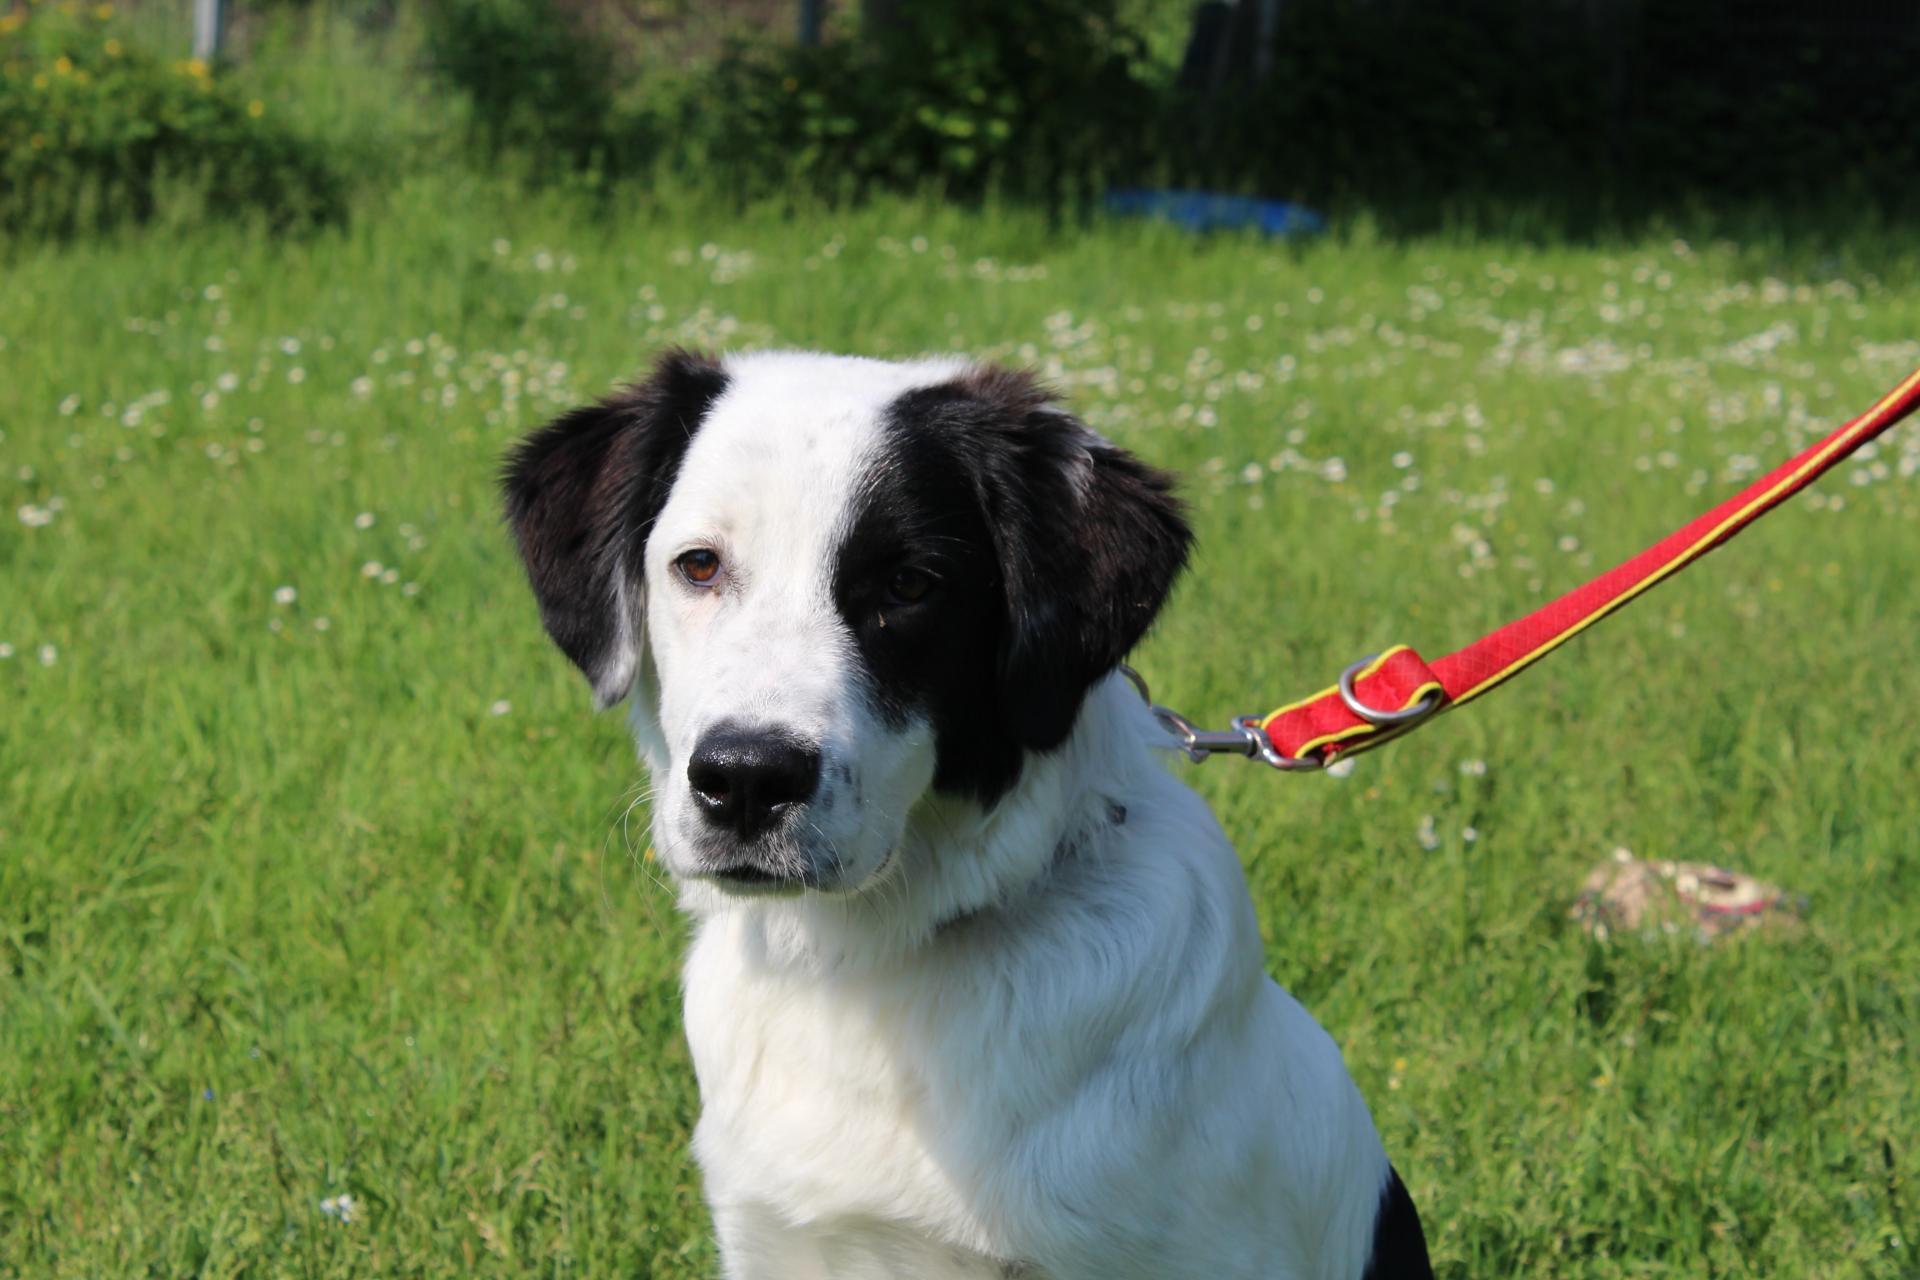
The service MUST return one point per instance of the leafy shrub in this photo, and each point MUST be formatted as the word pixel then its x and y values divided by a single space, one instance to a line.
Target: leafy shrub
pixel 1031 95
pixel 93 129
pixel 537 83
pixel 1720 106
pixel 1394 100
pixel 1516 98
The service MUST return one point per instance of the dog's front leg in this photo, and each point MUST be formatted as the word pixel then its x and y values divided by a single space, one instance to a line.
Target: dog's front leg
pixel 756 1245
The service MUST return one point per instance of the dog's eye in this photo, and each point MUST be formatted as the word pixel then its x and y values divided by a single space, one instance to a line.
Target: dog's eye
pixel 700 567
pixel 909 586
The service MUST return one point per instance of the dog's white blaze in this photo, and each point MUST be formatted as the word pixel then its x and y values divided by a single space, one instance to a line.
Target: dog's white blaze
pixel 769 482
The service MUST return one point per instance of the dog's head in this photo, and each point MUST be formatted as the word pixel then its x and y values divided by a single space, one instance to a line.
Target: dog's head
pixel 837 587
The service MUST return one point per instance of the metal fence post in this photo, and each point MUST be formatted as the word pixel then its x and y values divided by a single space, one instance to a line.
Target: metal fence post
pixel 209 29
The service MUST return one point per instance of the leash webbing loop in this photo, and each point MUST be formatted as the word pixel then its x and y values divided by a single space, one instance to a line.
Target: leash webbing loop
pixel 1380 698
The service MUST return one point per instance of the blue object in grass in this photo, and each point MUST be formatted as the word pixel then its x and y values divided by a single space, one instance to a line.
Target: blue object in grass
pixel 1213 210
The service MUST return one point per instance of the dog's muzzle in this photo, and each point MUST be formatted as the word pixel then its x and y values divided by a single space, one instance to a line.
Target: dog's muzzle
pixel 748 784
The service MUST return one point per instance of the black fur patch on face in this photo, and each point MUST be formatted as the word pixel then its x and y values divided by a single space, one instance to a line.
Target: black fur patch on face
pixel 582 494
pixel 1050 551
pixel 917 511
pixel 1399 1245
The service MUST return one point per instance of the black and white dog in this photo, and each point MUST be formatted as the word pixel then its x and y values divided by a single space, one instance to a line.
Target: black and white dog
pixel 976 986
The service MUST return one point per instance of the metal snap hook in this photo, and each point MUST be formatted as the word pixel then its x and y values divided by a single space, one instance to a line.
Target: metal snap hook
pixel 1245 738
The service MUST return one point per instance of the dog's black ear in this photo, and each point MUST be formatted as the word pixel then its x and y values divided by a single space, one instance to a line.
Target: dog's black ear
pixel 582 493
pixel 1089 541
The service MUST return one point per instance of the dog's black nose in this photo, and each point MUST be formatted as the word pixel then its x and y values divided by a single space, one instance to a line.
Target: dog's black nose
pixel 746 780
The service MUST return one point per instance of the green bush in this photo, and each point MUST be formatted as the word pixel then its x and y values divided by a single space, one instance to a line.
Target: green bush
pixel 93 129
pixel 1831 113
pixel 1378 101
pixel 1033 96
pixel 1530 101
pixel 538 85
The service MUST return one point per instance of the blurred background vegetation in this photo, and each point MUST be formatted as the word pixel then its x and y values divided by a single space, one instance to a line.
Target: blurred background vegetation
pixel 1585 112
pixel 318 884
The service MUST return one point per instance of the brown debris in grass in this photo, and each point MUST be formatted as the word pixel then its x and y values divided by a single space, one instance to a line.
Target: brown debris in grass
pixel 1629 895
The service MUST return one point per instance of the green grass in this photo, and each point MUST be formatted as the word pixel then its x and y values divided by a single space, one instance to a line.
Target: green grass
pixel 344 894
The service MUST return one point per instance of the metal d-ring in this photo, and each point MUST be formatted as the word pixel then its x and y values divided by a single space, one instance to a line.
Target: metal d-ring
pixel 1428 704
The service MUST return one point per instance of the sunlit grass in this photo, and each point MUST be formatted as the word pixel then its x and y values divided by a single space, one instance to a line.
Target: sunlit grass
pixel 318 878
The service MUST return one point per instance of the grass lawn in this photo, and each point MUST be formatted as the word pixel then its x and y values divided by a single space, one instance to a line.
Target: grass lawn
pixel 318 876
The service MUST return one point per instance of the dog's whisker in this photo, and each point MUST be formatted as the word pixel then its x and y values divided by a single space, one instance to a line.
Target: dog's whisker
pixel 642 793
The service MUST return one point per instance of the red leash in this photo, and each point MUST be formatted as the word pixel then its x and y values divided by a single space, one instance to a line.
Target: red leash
pixel 1377 699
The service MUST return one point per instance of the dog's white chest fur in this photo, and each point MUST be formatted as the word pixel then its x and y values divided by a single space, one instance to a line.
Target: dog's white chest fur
pixel 1094 1080
pixel 817 1132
